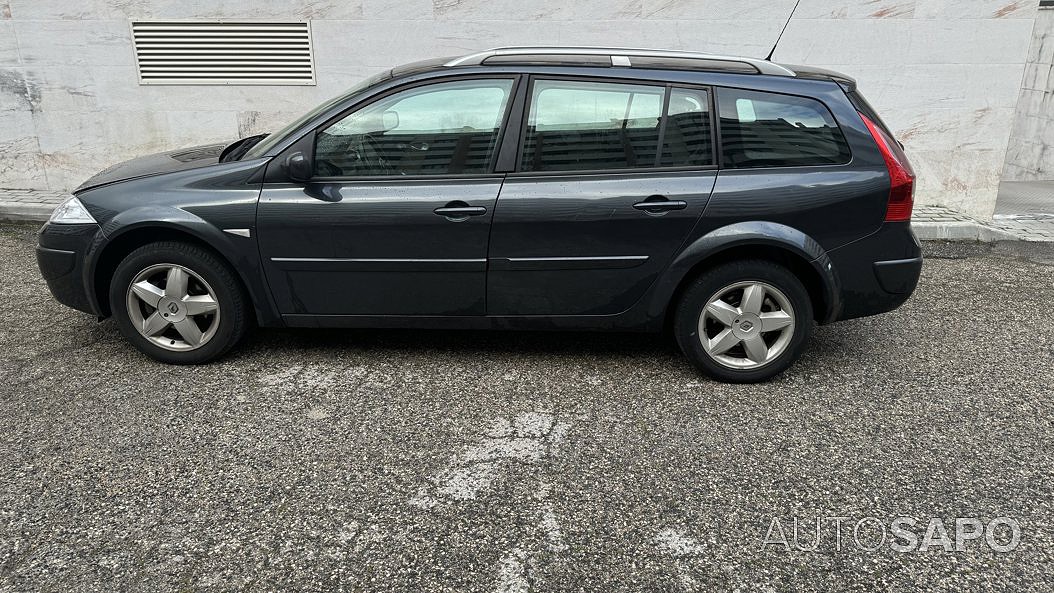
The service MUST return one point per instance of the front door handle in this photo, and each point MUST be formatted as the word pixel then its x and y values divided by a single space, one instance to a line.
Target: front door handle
pixel 458 210
pixel 660 204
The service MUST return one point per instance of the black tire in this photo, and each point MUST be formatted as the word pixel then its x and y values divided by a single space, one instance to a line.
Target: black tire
pixel 233 316
pixel 706 286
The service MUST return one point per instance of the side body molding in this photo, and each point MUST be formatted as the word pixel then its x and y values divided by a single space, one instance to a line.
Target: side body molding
pixel 748 234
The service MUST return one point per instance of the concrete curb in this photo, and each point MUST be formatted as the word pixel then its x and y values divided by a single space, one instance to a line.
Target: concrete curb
pixel 23 212
pixel 29 205
pixel 960 231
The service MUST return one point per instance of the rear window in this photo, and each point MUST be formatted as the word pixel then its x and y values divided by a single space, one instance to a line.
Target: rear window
pixel 772 130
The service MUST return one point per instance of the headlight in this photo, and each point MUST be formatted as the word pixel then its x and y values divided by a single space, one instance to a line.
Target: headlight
pixel 71 212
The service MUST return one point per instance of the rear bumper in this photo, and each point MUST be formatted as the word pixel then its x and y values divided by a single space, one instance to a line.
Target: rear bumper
pixel 61 253
pixel 877 273
pixel 898 276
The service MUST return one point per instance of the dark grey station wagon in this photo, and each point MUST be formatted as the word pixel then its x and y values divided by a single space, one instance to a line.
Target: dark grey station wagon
pixel 730 200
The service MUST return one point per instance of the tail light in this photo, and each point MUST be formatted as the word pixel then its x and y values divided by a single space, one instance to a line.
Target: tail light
pixel 901 175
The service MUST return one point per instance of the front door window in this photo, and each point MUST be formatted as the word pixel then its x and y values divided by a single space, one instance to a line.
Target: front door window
pixel 447 128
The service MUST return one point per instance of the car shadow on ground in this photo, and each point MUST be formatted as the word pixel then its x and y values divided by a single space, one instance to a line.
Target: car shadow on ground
pixel 467 341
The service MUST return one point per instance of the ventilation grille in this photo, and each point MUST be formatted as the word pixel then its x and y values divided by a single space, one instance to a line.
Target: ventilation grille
pixel 223 53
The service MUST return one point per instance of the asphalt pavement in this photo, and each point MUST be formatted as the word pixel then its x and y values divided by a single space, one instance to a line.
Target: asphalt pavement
pixel 511 462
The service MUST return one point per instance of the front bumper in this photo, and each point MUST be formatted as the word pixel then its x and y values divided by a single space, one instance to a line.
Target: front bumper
pixel 61 250
pixel 879 272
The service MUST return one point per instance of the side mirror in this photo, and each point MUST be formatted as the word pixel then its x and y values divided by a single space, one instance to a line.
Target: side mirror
pixel 298 167
pixel 389 120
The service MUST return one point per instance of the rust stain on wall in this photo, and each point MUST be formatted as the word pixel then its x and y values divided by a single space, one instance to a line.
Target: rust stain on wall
pixel 1007 10
pixel 892 11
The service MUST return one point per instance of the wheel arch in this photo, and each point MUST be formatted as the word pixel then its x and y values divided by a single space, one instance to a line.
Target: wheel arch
pixel 128 237
pixel 753 240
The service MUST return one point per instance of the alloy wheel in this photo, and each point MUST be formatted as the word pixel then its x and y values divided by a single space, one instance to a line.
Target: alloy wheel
pixel 173 307
pixel 746 325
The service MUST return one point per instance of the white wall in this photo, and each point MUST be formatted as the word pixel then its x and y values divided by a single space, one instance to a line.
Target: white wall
pixel 1031 154
pixel 944 74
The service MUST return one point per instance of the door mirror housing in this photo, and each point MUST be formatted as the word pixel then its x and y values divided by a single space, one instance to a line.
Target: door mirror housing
pixel 389 120
pixel 299 167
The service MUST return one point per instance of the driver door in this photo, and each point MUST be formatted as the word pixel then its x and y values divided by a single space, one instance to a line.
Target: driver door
pixel 396 219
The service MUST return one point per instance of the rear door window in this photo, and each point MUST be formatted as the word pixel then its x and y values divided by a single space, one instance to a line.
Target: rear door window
pixel 585 126
pixel 771 130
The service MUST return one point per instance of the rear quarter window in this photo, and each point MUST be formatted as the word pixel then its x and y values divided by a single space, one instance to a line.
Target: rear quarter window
pixel 771 130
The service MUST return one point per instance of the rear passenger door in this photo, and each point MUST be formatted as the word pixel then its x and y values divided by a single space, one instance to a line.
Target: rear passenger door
pixel 611 178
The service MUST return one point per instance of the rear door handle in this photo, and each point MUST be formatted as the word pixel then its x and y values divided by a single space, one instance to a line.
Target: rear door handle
pixel 659 204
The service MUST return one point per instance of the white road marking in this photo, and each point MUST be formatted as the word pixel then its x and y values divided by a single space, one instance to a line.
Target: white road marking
pixel 529 437
pixel 512 573
pixel 552 529
pixel 676 542
pixel 310 377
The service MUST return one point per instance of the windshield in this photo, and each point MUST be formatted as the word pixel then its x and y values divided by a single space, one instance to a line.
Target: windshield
pixel 271 140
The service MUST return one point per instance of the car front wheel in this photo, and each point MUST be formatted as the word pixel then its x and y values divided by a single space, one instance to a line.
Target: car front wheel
pixel 178 303
pixel 744 321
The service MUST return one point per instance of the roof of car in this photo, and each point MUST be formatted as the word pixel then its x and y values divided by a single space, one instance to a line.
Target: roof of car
pixel 655 59
pixel 614 56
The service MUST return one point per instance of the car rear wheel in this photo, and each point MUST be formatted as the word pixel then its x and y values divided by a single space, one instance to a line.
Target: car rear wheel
pixel 178 303
pixel 744 321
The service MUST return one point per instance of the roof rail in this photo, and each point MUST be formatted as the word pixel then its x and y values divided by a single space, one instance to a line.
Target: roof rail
pixel 620 56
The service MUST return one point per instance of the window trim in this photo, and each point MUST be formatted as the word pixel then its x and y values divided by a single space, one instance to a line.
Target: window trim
pixel 509 148
pixel 721 145
pixel 517 82
pixel 715 146
pixel 667 86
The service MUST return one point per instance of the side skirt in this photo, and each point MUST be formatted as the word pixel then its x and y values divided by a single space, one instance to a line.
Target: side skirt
pixel 622 322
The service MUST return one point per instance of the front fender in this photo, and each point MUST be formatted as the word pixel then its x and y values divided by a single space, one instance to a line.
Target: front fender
pixel 162 216
pixel 749 234
pixel 242 253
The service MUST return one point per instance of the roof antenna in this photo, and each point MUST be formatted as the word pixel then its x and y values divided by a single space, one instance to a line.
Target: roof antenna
pixel 782 31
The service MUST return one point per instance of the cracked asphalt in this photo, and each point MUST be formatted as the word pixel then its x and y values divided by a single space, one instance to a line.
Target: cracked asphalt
pixel 448 461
